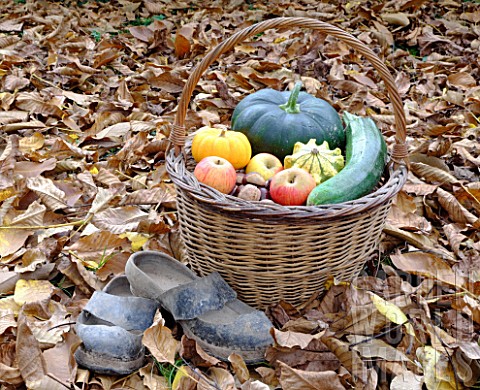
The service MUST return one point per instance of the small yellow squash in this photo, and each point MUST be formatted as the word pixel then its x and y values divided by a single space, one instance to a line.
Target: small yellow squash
pixel 233 146
pixel 321 162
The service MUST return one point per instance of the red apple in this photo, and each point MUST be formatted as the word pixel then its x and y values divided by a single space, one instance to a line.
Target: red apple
pixel 291 186
pixel 216 172
pixel 265 164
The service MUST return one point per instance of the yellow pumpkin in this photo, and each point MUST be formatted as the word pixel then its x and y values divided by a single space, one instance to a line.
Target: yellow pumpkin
pixel 233 146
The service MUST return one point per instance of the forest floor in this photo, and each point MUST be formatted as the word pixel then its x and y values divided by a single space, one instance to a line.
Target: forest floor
pixel 88 90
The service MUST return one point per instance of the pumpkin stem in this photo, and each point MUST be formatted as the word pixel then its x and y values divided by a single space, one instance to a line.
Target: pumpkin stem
pixel 292 107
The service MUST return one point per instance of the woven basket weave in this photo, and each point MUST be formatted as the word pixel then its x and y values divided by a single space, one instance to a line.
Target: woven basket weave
pixel 268 252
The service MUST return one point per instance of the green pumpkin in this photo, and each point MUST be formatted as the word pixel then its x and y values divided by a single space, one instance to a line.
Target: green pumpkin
pixel 274 121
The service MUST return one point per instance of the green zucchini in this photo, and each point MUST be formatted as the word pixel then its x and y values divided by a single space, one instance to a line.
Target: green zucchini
pixel 365 155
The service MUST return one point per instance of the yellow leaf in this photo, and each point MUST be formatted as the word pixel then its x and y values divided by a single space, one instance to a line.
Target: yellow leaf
pixel 32 291
pixel 392 312
pixel 181 372
pixel 93 170
pixel 331 281
pixel 279 40
pixel 137 239
pixel 6 193
pixel 73 136
pixel 437 370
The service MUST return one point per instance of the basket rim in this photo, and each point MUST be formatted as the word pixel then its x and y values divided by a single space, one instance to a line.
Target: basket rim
pixel 274 212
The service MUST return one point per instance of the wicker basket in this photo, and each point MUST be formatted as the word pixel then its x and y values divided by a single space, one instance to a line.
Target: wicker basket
pixel 268 252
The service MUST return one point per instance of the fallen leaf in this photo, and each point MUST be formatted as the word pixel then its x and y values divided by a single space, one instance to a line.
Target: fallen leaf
pixel 293 379
pixel 349 359
pixel 60 361
pixel 220 379
pixel 438 373
pixel 432 174
pixel 397 19
pixel 98 245
pixel 30 360
pixel 239 367
pixel 455 210
pixel 32 291
pixel 429 266
pixel 160 342
pixel 119 219
pixel 46 190
pixel 7 320
pixel 370 347
pixel 407 381
pixel 392 312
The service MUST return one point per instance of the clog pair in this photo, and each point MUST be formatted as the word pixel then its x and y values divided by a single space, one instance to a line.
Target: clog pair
pixel 112 323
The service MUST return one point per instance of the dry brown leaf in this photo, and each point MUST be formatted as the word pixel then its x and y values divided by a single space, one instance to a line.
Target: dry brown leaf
pixel 13 116
pixel 59 360
pixel 293 379
pixel 160 342
pixel 168 81
pixel 220 379
pixel 268 375
pixel 114 266
pixel 429 266
pixel 32 259
pixel 153 381
pixel 290 339
pixel 157 196
pixel 30 361
pixel 461 80
pixel 117 130
pixel 455 238
pixel 432 174
pixel 98 245
pixel 397 19
pixel 119 219
pixel 370 347
pixel 142 33
pixel 182 39
pixel 418 240
pixel 407 381
pixel 12 240
pixel 254 385
pixel 33 103
pixel 239 367
pixel 410 221
pixel 10 375
pixel 190 350
pixel 102 199
pixel 456 211
pixel 349 359
pixel 7 320
pixel 33 216
pixel 29 144
pixel 47 323
pixel 46 190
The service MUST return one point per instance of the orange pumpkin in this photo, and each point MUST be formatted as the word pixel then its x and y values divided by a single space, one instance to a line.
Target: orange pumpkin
pixel 233 146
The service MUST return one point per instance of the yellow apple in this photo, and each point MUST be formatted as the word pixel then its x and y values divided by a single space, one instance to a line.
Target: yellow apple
pixel 265 164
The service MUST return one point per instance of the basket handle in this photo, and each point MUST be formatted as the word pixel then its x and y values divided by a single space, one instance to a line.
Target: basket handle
pixel 178 131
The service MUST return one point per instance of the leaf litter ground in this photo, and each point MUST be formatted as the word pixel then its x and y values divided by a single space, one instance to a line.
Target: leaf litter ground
pixel 87 90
